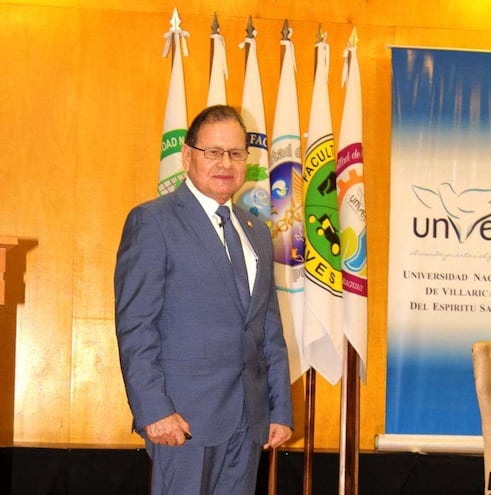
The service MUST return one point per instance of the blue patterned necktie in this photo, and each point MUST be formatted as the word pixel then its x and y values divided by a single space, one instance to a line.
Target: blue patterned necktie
pixel 236 254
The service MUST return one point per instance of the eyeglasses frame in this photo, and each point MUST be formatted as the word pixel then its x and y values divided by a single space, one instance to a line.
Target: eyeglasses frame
pixel 204 150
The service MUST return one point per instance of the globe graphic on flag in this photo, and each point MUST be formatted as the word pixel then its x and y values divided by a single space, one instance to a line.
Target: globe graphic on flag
pixel 279 189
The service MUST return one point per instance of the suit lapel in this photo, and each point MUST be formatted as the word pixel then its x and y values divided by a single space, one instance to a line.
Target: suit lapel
pixel 257 244
pixel 197 220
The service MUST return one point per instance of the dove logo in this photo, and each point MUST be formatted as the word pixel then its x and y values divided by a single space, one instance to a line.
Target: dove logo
pixel 459 214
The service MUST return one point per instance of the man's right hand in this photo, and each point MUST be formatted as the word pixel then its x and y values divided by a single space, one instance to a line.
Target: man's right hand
pixel 168 431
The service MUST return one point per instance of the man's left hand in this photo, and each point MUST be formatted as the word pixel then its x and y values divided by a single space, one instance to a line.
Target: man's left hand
pixel 278 434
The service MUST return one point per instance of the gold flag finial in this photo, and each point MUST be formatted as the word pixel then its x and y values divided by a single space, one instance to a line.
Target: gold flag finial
pixel 286 31
pixel 215 27
pixel 321 35
pixel 353 39
pixel 251 32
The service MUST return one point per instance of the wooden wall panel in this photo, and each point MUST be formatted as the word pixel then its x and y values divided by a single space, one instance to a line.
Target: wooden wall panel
pixel 99 413
pixel 83 95
pixel 120 122
pixel 37 143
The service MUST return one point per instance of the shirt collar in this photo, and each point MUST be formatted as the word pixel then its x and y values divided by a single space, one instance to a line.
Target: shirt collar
pixel 209 205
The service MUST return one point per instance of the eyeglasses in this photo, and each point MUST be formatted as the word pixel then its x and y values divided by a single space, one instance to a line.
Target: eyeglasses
pixel 217 153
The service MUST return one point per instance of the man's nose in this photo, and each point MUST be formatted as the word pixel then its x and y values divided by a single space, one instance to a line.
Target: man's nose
pixel 225 160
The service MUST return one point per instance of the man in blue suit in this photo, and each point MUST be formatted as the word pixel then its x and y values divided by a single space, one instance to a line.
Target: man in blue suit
pixel 206 374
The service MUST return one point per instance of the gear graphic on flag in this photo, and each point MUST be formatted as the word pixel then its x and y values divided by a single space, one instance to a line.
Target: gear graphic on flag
pixel 344 185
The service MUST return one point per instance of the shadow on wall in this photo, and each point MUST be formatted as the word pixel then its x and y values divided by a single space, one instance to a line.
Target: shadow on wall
pixel 15 265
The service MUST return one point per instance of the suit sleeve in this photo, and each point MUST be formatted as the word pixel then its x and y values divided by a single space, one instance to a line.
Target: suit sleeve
pixel 139 283
pixel 276 354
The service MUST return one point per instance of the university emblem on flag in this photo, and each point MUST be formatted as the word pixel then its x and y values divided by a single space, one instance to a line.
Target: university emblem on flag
pixel 322 242
pixel 286 213
pixel 172 142
pixel 254 196
pixel 351 198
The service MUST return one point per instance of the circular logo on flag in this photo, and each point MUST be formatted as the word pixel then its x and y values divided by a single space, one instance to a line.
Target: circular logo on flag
pixel 286 213
pixel 322 240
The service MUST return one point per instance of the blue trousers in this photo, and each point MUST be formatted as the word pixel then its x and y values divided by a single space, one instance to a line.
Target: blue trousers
pixel 226 469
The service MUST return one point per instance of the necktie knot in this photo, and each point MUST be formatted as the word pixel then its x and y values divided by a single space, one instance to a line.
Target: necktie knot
pixel 223 212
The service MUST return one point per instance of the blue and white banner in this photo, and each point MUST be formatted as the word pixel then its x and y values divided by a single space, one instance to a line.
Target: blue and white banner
pixel 439 296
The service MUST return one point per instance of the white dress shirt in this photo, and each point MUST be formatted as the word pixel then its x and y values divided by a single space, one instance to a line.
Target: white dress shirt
pixel 210 206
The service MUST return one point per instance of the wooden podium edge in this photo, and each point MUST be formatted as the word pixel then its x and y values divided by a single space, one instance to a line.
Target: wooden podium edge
pixel 6 242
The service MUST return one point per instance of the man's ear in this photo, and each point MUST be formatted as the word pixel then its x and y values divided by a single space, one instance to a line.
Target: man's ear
pixel 185 156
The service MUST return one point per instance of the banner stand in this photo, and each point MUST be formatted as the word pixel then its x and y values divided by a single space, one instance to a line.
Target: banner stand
pixel 457 444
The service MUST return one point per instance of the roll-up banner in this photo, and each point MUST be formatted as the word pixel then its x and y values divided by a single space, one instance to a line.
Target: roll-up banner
pixel 439 279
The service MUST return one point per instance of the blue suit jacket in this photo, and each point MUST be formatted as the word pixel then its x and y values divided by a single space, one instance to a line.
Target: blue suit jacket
pixel 185 344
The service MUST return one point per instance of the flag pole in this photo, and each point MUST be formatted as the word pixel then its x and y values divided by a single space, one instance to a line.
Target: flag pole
pixel 350 423
pixel 253 114
pixel 308 448
pixel 273 456
pixel 171 173
pixel 285 36
pixel 310 379
pixel 273 470
pixel 355 331
pixel 215 28
pixel 250 33
pixel 175 23
pixel 286 187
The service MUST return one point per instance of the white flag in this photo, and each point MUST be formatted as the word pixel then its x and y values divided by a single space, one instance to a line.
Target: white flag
pixel 351 197
pixel 171 172
pixel 323 325
pixel 286 211
pixel 217 94
pixel 254 194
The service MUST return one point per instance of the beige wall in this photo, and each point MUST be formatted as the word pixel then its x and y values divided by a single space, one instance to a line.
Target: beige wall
pixel 82 98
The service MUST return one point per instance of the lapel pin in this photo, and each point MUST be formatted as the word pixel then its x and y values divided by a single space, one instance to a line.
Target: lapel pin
pixel 249 224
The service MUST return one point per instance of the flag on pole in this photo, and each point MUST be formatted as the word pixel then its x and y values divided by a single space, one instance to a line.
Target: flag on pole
pixel 171 172
pixel 217 94
pixel 323 336
pixel 254 194
pixel 286 208
pixel 352 213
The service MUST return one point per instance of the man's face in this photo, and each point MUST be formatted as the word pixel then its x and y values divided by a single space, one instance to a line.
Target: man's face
pixel 220 178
